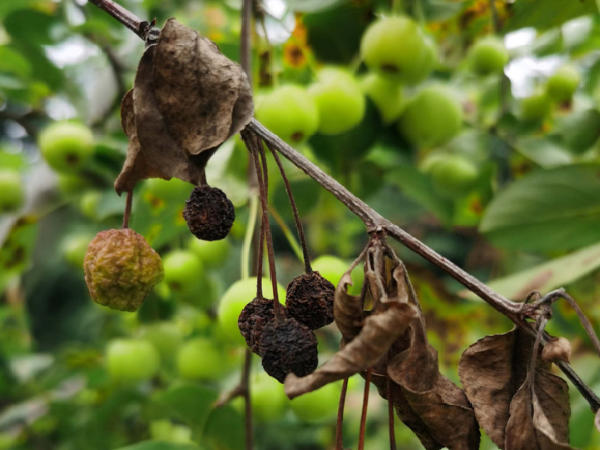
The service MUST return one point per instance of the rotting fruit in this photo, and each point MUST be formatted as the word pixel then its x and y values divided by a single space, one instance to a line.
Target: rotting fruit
pixel 290 113
pixel 66 146
pixel 209 213
pixel 131 360
pixel 254 317
pixel 339 99
pixel 12 194
pixel 121 269
pixel 235 299
pixel 309 300
pixel 287 346
pixel 432 118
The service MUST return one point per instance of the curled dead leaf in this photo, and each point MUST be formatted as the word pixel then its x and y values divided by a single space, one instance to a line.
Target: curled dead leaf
pixel 558 349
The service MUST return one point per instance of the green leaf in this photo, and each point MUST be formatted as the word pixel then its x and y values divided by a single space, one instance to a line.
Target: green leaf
pixel 550 275
pixel 190 403
pixel 580 130
pixel 550 210
pixel 546 14
pixel 11 61
pixel 224 429
pixel 309 6
pixel 30 26
pixel 419 187
pixel 158 445
pixel 547 151
pixel 334 35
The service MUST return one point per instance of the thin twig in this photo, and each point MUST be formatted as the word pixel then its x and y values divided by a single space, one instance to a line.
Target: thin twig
pixel 127 213
pixel 260 256
pixel 248 400
pixel 339 426
pixel 299 227
pixel 126 17
pixel 495 17
pixel 363 416
pixel 246 39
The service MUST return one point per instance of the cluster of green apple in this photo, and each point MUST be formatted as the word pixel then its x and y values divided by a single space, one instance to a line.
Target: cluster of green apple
pixel 12 191
pixel 558 89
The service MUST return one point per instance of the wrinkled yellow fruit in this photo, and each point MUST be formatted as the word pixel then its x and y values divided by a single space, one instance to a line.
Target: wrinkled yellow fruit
pixel 121 269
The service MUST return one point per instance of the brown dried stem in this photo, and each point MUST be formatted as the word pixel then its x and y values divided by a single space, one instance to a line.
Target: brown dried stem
pixel 363 416
pixel 391 413
pixel 127 213
pixel 339 425
pixel 373 220
pixel 247 400
pixel 299 227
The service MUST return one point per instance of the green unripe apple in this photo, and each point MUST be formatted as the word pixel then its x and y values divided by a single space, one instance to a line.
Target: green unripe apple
pixel 171 190
pixel 339 100
pixel 201 359
pixel 70 184
pixel 333 268
pixel 424 66
pixel 166 431
pixel 318 406
pixel 184 274
pixel 233 301
pixel 269 401
pixel 488 55
pixel 12 193
pixel 165 337
pixel 88 204
pixel 562 84
pixel 290 113
pixel 212 253
pixel 432 118
pixel 453 175
pixel 535 107
pixel 130 360
pixel 75 248
pixel 66 146
pixel 393 47
pixel 386 94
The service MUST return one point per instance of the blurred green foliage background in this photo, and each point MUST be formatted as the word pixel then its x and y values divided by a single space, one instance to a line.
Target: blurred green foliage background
pixel 520 210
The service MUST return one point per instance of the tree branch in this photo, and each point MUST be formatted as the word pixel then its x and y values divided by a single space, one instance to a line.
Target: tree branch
pixel 373 220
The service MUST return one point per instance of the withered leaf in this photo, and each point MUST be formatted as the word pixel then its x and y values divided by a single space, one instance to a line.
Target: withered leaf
pixel 151 153
pixel 491 371
pixel 364 351
pixel 540 420
pixel 347 309
pixel 433 407
pixel 203 96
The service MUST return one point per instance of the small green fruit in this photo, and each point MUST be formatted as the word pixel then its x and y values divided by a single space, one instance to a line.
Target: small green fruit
pixel 201 359
pixel 535 107
pixel 339 100
pixel 418 72
pixel 165 337
pixel 70 184
pixel 185 276
pixel 333 268
pixel 269 401
pixel 386 94
pixel 12 194
pixel 88 204
pixel 432 118
pixel 213 254
pixel 453 175
pixel 171 190
pixel 66 146
pixel 131 360
pixel 75 248
pixel 318 406
pixel 393 47
pixel 233 301
pixel 488 56
pixel 290 113
pixel 562 84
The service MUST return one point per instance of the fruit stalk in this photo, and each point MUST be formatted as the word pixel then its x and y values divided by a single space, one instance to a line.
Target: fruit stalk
pixel 371 218
pixel 128 204
pixel 299 227
pixel 363 416
pixel 339 426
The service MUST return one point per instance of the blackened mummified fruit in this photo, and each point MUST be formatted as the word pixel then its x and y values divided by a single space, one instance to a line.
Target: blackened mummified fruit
pixel 288 346
pixel 253 318
pixel 209 213
pixel 310 300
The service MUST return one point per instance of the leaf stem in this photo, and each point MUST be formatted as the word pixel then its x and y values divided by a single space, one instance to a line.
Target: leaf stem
pixel 363 416
pixel 339 426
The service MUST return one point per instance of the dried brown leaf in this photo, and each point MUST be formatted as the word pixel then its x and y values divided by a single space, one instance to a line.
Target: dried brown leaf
pixel 152 153
pixel 347 309
pixel 364 351
pixel 203 96
pixel 539 421
pixel 557 349
pixel 491 371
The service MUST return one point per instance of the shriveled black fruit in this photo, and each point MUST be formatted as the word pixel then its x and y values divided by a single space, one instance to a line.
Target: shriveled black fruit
pixel 209 213
pixel 288 346
pixel 310 300
pixel 253 319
